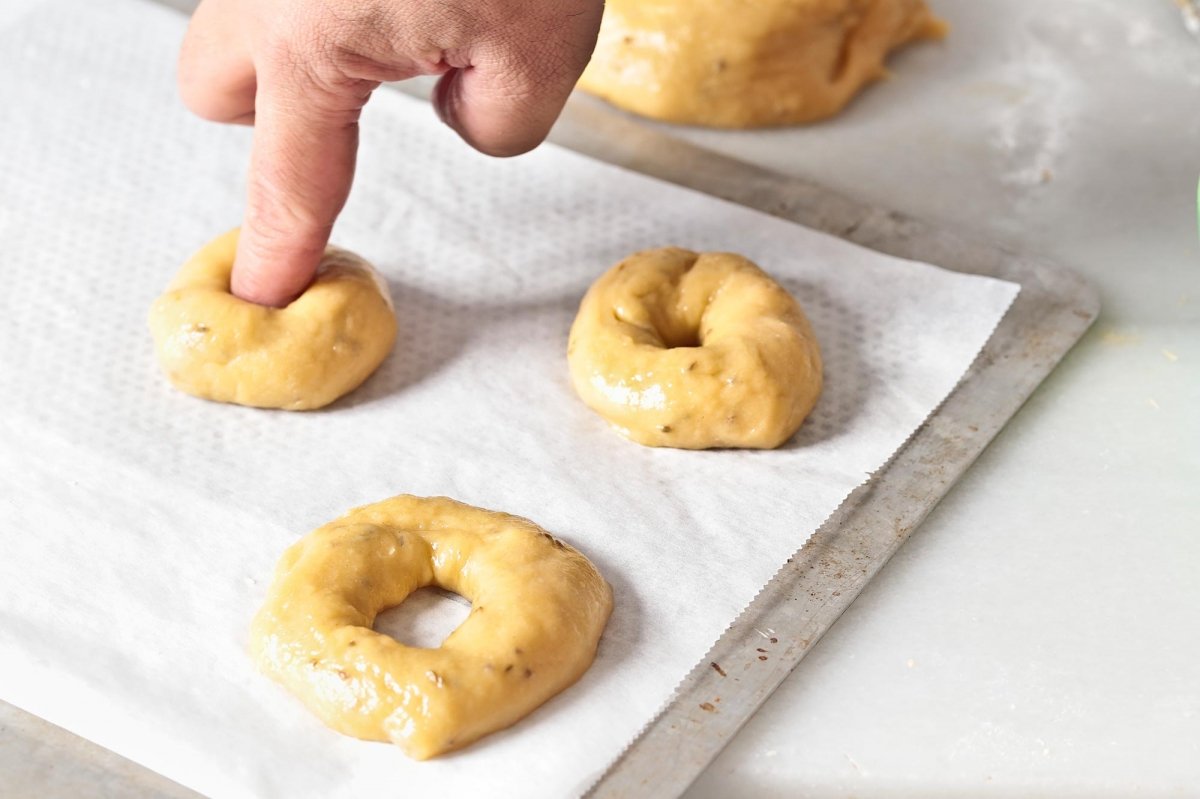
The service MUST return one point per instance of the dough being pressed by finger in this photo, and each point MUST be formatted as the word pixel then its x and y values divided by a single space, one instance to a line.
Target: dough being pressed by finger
pixel 694 350
pixel 323 345
pixel 739 64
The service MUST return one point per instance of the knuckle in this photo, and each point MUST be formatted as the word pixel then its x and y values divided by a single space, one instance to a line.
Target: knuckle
pixel 284 215
pixel 322 55
pixel 313 39
pixel 274 222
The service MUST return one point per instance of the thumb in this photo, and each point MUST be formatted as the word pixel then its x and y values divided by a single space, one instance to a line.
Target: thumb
pixel 507 101
pixel 301 168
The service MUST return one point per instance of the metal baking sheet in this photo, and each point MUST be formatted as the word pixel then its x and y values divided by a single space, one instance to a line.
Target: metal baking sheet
pixel 1055 307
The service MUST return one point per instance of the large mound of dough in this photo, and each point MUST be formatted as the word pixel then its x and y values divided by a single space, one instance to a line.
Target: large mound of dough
pixel 747 63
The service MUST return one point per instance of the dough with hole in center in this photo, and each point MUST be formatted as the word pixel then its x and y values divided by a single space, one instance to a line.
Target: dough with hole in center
pixel 738 64
pixel 538 609
pixel 679 349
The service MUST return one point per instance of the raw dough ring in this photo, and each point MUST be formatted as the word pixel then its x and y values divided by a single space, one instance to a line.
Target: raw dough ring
pixel 679 349
pixel 538 608
pixel 324 344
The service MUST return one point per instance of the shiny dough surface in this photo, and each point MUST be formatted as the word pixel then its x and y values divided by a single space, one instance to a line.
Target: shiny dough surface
pixel 323 345
pixel 738 64
pixel 688 350
pixel 538 610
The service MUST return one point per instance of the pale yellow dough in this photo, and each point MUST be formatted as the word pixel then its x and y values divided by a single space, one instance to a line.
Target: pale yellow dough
pixel 679 349
pixel 538 609
pixel 739 64
pixel 321 346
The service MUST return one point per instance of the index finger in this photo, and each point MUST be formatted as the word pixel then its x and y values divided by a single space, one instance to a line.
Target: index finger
pixel 301 169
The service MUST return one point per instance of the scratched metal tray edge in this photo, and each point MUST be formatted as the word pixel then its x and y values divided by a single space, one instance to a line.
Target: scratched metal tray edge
pixel 815 586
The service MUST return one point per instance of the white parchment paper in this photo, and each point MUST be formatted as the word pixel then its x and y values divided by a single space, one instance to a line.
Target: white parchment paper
pixel 138 526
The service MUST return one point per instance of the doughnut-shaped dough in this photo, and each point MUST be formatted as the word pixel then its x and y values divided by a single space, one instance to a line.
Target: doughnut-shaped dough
pixel 324 344
pixel 679 349
pixel 734 64
pixel 538 609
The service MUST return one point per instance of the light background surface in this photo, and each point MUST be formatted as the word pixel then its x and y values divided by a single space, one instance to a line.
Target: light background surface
pixel 1048 606
pixel 1040 633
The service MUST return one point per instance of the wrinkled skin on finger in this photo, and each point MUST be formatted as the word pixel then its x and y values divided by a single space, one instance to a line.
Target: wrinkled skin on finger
pixel 301 72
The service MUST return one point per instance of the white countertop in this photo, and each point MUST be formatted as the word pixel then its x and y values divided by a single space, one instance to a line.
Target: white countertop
pixel 1040 634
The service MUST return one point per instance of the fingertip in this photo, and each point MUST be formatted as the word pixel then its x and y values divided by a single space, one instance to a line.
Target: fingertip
pixel 301 170
pixel 273 273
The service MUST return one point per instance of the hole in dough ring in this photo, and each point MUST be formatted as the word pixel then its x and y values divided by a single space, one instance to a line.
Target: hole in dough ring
pixel 688 350
pixel 538 609
pixel 323 345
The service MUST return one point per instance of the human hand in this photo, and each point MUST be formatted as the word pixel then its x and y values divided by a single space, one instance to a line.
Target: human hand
pixel 301 71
